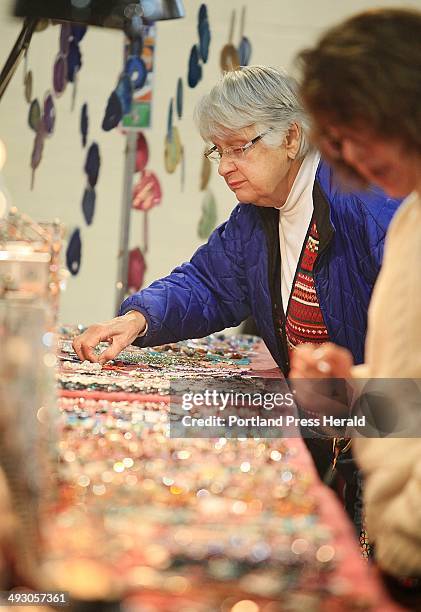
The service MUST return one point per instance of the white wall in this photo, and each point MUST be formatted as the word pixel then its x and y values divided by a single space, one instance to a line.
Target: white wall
pixel 277 30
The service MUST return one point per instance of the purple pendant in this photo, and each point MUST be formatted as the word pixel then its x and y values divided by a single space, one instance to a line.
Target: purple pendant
pixel 113 113
pixel 84 124
pixel 65 34
pixel 74 253
pixel 93 164
pixel 88 205
pixel 60 74
pixel 49 116
pixel 74 60
pixel 78 32
pixel 204 33
pixel 195 69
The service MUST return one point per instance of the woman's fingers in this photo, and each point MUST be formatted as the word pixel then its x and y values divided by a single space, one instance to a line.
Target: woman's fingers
pixel 117 344
pixel 119 332
pixel 84 345
pixel 316 369
pixel 336 359
pixel 326 361
pixel 303 364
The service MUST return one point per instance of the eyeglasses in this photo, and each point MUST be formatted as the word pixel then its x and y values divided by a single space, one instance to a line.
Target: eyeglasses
pixel 233 153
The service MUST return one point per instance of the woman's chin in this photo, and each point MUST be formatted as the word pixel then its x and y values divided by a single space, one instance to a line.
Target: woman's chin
pixel 243 194
pixel 396 189
pixel 396 185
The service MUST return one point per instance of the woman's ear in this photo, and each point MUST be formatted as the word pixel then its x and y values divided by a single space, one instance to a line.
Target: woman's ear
pixel 292 140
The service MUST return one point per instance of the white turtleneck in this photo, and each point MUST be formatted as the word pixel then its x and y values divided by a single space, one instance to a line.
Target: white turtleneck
pixel 294 220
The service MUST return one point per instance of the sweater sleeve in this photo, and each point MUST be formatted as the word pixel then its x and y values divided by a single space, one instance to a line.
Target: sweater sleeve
pixel 202 296
pixel 392 470
pixel 392 466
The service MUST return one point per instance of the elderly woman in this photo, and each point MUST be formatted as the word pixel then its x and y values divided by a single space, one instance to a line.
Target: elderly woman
pixel 362 84
pixel 297 252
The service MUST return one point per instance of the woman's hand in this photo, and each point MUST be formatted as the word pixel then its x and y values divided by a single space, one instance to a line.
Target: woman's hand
pixel 119 332
pixel 317 369
pixel 326 361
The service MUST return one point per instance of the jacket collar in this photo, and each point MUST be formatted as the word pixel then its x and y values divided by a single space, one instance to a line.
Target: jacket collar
pixel 325 228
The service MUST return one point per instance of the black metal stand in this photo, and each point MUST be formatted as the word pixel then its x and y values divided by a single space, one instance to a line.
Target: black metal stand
pixel 17 53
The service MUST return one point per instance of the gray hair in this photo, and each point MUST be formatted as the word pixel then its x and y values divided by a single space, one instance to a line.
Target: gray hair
pixel 253 95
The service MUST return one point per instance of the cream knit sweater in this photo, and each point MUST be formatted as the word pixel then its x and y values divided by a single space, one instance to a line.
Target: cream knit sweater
pixel 392 467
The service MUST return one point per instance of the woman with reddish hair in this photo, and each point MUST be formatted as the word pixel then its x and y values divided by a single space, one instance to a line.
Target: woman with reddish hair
pixel 362 85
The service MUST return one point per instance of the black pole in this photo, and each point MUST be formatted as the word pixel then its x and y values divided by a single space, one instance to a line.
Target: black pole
pixel 18 51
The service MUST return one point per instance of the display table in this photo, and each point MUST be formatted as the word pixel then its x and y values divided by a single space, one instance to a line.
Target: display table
pixel 198 525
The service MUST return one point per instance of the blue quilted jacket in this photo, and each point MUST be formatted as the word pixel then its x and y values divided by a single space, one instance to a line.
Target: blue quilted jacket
pixel 237 273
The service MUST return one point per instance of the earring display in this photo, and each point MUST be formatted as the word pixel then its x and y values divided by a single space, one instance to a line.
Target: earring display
pixel 203 524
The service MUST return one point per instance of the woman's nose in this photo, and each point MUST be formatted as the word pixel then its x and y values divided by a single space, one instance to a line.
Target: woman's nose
pixel 356 156
pixel 225 165
pixel 352 153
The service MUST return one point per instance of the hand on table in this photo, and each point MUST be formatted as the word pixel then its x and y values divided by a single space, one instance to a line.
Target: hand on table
pixel 119 332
